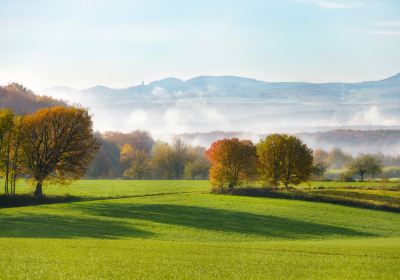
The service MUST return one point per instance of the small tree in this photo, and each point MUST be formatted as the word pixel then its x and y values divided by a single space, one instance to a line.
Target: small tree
pixel 338 159
pixel 58 144
pixel 283 159
pixel 139 168
pixel 365 164
pixel 232 162
pixel 319 169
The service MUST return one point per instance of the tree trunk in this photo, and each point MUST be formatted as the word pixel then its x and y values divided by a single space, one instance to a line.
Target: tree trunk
pixel 362 177
pixel 38 191
pixel 286 185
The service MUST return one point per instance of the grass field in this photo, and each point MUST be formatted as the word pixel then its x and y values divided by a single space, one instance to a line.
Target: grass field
pixel 177 230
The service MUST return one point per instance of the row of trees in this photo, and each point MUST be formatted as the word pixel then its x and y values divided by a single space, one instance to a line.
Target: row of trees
pixel 137 156
pixel 277 159
pixel 52 144
pixel 361 165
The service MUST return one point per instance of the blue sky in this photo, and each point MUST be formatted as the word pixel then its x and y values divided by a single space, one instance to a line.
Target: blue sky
pixel 120 43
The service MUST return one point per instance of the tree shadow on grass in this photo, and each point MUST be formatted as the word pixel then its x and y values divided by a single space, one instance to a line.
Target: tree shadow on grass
pixel 220 220
pixel 359 195
pixel 55 226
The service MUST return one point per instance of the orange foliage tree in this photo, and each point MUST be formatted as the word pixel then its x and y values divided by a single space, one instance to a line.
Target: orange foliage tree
pixel 232 162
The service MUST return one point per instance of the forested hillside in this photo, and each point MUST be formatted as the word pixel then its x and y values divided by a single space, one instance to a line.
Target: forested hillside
pixel 23 100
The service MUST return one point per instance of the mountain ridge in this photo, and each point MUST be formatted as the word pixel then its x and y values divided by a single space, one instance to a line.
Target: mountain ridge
pixel 395 77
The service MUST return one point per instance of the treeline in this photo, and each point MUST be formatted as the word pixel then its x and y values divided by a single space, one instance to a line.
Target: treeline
pixel 23 100
pixel 336 158
pixel 276 160
pixel 327 165
pixel 137 155
pixel 54 144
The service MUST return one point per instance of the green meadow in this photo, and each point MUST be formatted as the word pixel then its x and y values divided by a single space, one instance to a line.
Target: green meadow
pixel 177 230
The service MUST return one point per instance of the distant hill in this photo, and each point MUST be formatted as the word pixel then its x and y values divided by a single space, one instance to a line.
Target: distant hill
pixel 23 100
pixel 282 92
pixel 228 103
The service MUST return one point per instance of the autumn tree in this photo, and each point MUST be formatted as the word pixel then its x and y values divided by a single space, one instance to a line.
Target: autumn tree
pixel 126 156
pixel 232 162
pixel 320 156
pixel 139 166
pixel 179 158
pixel 6 128
pixel 58 144
pixel 337 158
pixel 10 149
pixel 161 162
pixel 283 159
pixel 365 164
pixel 269 159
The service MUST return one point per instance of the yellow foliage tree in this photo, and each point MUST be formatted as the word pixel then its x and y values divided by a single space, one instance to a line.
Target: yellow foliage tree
pixel 283 159
pixel 58 144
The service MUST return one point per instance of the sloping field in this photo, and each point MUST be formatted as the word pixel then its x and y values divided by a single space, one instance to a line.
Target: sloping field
pixel 176 230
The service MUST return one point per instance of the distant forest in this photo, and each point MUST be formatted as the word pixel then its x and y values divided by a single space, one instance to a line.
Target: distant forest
pixel 23 100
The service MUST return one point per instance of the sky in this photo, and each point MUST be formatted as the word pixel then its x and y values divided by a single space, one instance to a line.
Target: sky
pixel 119 43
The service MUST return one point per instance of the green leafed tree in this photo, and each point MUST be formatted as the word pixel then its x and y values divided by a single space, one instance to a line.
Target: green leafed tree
pixel 365 165
pixel 11 164
pixel 139 166
pixel 283 159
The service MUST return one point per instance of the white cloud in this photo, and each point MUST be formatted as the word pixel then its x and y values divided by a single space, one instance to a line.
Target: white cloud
pixel 332 4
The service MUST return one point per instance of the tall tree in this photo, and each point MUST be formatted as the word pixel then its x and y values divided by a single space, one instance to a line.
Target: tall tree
pixel 338 159
pixel 10 149
pixel 283 159
pixel 6 131
pixel 161 163
pixel 106 163
pixel 297 161
pixel 269 159
pixel 232 162
pixel 58 144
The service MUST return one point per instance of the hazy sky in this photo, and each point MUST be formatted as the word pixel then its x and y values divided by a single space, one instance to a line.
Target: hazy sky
pixel 120 43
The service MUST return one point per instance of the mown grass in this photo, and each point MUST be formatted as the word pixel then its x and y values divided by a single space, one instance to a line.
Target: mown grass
pixel 178 230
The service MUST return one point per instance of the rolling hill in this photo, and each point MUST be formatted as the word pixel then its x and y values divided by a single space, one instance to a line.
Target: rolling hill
pixel 23 100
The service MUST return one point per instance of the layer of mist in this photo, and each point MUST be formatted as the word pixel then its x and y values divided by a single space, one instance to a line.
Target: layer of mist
pixel 169 107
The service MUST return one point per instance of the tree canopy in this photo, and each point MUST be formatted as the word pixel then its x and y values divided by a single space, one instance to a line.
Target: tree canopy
pixel 283 159
pixel 232 162
pixel 365 164
pixel 58 144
